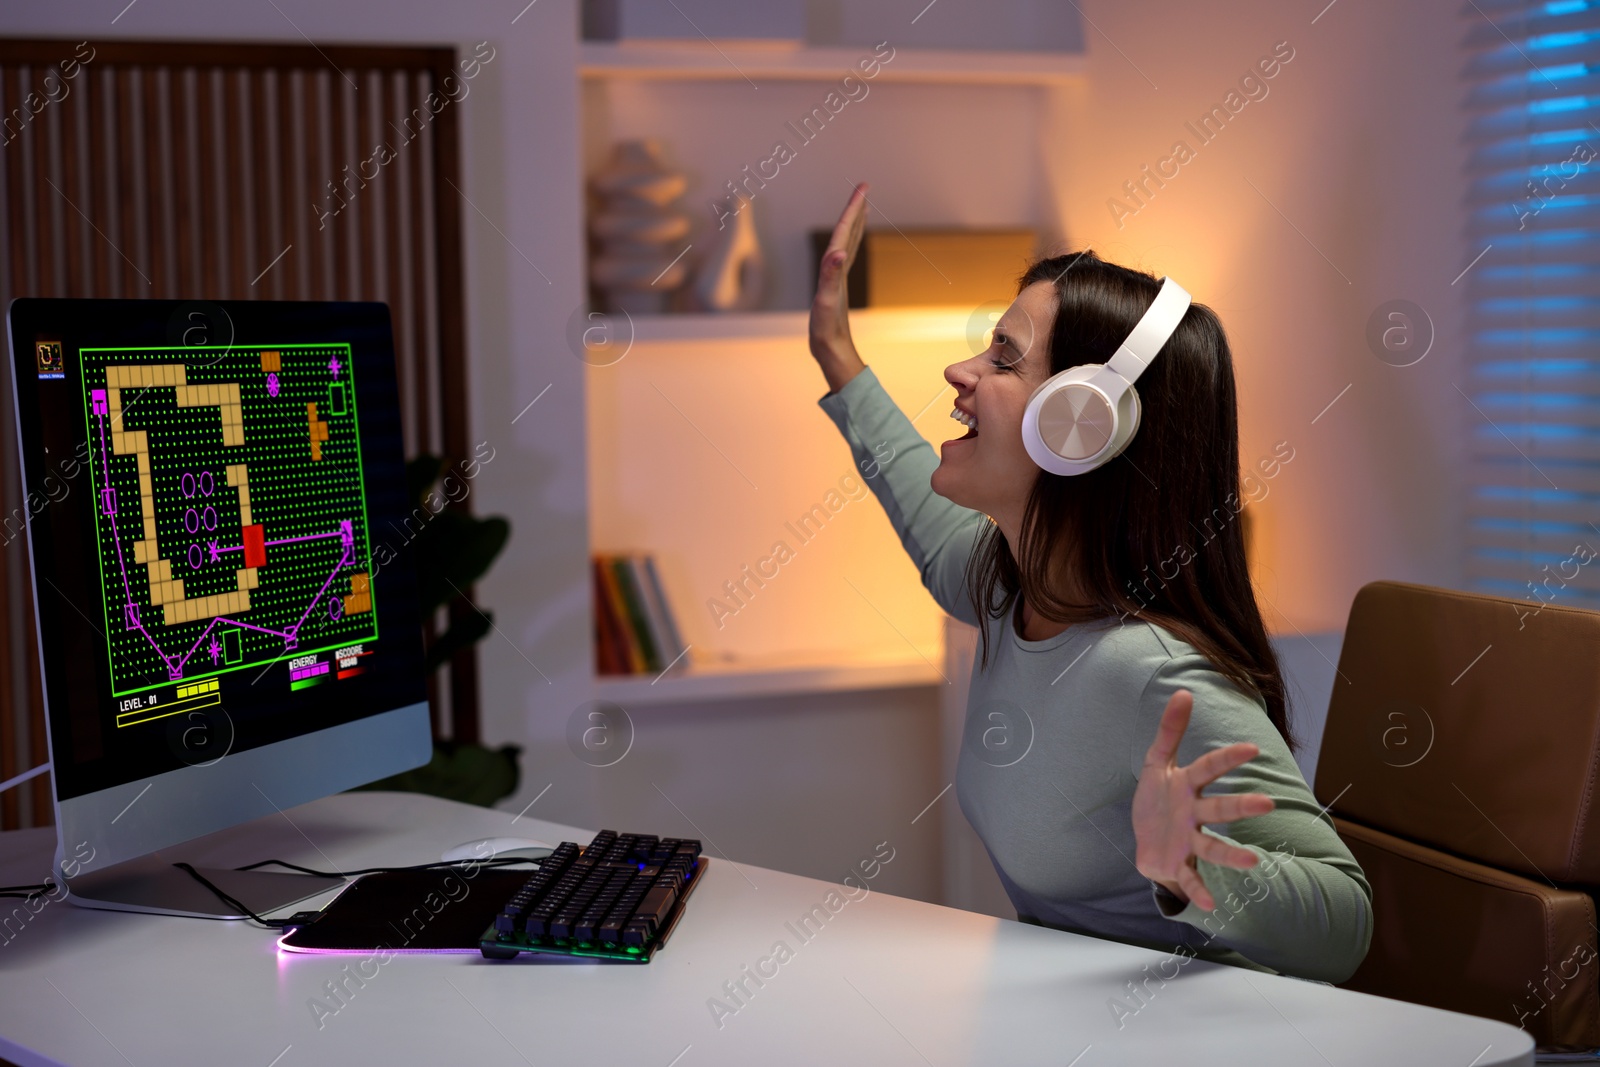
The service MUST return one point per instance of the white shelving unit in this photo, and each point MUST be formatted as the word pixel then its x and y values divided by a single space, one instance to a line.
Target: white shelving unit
pixel 695 353
pixel 663 337
pixel 794 62
pixel 775 677
pixel 909 324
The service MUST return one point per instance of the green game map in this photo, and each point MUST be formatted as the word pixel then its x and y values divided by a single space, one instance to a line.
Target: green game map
pixel 230 514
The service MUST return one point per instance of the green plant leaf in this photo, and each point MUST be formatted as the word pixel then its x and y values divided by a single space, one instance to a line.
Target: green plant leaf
pixel 453 551
pixel 422 473
pixel 471 774
pixel 467 631
pixel 451 548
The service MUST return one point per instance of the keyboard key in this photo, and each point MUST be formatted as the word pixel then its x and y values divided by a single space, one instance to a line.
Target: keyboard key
pixel 655 907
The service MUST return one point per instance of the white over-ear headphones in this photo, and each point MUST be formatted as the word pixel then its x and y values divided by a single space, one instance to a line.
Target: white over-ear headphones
pixel 1086 415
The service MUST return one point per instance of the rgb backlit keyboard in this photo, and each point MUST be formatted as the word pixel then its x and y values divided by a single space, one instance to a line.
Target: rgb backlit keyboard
pixel 617 899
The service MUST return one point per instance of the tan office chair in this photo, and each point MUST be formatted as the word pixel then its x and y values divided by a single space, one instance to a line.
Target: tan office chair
pixel 1461 763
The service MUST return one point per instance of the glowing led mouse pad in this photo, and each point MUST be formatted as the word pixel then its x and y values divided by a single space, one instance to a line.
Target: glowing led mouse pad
pixel 230 517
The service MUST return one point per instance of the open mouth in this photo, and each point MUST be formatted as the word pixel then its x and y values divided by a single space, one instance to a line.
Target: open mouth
pixel 966 420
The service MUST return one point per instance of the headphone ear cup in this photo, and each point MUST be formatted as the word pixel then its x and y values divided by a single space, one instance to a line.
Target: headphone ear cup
pixel 1128 412
pixel 1071 420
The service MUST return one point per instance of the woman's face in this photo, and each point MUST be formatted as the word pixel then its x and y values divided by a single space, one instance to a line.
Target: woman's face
pixel 988 470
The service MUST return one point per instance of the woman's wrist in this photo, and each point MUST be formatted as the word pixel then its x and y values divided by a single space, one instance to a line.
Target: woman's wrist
pixel 1174 889
pixel 839 366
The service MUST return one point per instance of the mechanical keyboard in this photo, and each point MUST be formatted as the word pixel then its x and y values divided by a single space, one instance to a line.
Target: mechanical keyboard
pixel 617 899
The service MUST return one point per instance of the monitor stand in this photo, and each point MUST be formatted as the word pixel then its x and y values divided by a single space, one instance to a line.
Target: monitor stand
pixel 152 884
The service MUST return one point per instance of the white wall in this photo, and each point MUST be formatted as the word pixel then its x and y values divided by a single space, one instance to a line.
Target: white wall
pixel 1356 146
pixel 1354 155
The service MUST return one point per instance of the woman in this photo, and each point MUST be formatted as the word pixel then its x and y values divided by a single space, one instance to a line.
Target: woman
pixel 1124 665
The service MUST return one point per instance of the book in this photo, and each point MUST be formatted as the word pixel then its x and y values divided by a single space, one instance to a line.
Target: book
pixel 608 658
pixel 667 648
pixel 633 606
pixel 671 637
pixel 627 646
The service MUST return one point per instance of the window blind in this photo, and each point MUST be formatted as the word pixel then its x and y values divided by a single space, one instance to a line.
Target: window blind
pixel 1532 78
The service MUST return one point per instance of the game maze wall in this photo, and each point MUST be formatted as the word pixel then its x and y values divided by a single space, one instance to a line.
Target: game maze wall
pixel 231 518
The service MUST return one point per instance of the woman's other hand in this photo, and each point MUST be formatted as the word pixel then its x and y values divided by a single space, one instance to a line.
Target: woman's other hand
pixel 1168 809
pixel 829 331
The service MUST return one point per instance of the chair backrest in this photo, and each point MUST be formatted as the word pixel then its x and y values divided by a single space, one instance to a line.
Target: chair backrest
pixel 1469 723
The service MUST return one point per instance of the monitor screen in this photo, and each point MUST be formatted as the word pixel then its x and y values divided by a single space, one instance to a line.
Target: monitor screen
pixel 216 510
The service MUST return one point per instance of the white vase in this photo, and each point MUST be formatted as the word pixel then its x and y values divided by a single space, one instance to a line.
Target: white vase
pixel 640 232
pixel 732 274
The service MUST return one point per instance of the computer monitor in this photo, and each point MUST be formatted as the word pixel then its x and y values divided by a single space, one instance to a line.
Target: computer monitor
pixel 226 606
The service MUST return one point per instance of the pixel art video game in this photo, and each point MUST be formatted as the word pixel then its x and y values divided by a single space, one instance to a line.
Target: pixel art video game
pixel 230 518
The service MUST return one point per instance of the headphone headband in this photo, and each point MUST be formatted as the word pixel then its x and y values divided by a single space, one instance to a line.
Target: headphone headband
pixel 1154 327
pixel 1083 416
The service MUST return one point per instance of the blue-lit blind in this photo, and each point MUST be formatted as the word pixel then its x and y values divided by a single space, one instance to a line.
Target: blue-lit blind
pixel 1533 330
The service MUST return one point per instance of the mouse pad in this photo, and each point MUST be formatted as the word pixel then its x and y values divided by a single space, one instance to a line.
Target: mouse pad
pixel 410 911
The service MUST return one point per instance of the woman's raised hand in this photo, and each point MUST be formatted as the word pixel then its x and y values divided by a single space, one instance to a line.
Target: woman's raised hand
pixel 1168 809
pixel 829 332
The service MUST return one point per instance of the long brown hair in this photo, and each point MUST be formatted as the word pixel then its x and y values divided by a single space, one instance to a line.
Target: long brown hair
pixel 1170 500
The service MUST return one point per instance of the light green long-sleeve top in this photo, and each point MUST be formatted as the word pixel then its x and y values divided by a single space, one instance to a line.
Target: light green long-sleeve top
pixel 1056 733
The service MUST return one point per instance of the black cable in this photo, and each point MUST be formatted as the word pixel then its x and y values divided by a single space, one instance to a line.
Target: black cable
pixel 282 924
pixel 271 924
pixel 494 861
pixel 26 892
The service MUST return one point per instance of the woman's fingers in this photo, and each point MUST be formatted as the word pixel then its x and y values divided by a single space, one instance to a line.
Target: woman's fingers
pixel 1195 888
pixel 829 327
pixel 852 220
pixel 1217 851
pixel 1231 807
pixel 1174 721
pixel 1220 761
pixel 846 237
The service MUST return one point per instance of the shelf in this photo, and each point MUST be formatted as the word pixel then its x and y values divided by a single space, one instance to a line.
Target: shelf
pixel 933 323
pixel 795 62
pixel 772 677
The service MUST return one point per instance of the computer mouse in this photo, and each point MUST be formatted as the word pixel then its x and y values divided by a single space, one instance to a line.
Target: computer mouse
pixel 487 847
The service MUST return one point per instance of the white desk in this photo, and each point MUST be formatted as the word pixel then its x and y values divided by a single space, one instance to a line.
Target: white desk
pixel 886 981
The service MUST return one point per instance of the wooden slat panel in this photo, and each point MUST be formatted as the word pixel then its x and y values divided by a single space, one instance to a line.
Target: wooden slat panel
pixel 368 244
pixel 155 211
pixel 313 108
pixel 452 388
pixel 210 216
pixel 183 81
pixel 404 256
pixel 38 744
pixel 294 194
pixel 74 230
pixel 47 197
pixel 393 220
pixel 10 720
pixel 338 156
pixel 451 314
pixel 101 87
pixel 127 207
pixel 181 170
pixel 417 168
pixel 263 186
pixel 16 194
pixel 235 189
